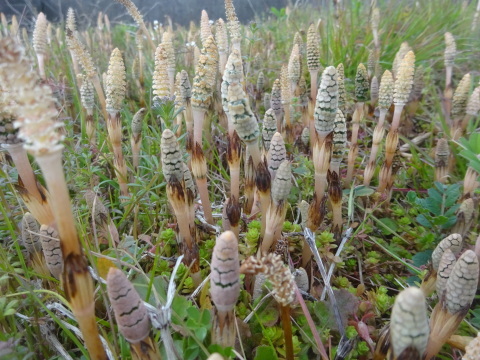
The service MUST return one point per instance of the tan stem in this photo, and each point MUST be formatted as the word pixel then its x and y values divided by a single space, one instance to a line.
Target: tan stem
pixel 90 127
pixel 448 94
pixel 203 191
pixel 396 117
pixel 198 118
pixel 352 155
pixel 378 135
pixel 24 169
pixel 320 184
pixel 235 179
pixel 254 151
pixel 313 85
pixel 264 205
pixel 189 115
pixel 287 331
pixel 335 167
pixel 222 62
pixel 78 284
pixel 135 143
pixel 171 79
pixel 41 65
pixel 356 118
pixel 288 123
pixel 231 125
pixel 114 127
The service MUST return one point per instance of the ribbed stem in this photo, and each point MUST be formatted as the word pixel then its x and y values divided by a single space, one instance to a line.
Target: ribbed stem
pixel 41 65
pixel 136 143
pixel 287 331
pixel 313 85
pixel 264 205
pixel 378 134
pixel 448 94
pixel 396 117
pixel 114 127
pixel 222 62
pixel 90 128
pixel 235 179
pixel 207 207
pixel 171 80
pixel 189 116
pixel 254 151
pixel 198 118
pixel 78 284
pixel 356 118
pixel 288 124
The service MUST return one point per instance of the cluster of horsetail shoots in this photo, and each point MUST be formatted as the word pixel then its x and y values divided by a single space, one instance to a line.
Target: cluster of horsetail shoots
pixel 116 88
pixel 361 94
pixel 293 145
pixel 39 130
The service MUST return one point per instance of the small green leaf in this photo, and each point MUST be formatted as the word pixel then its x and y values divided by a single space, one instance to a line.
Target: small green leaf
pixel 422 258
pixel 388 226
pixel 422 220
pixel 265 352
pixel 411 197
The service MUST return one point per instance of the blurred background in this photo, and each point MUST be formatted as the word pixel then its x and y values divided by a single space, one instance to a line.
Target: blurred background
pixel 180 11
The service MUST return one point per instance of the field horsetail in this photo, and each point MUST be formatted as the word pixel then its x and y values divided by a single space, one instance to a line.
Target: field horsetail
pixel 232 182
